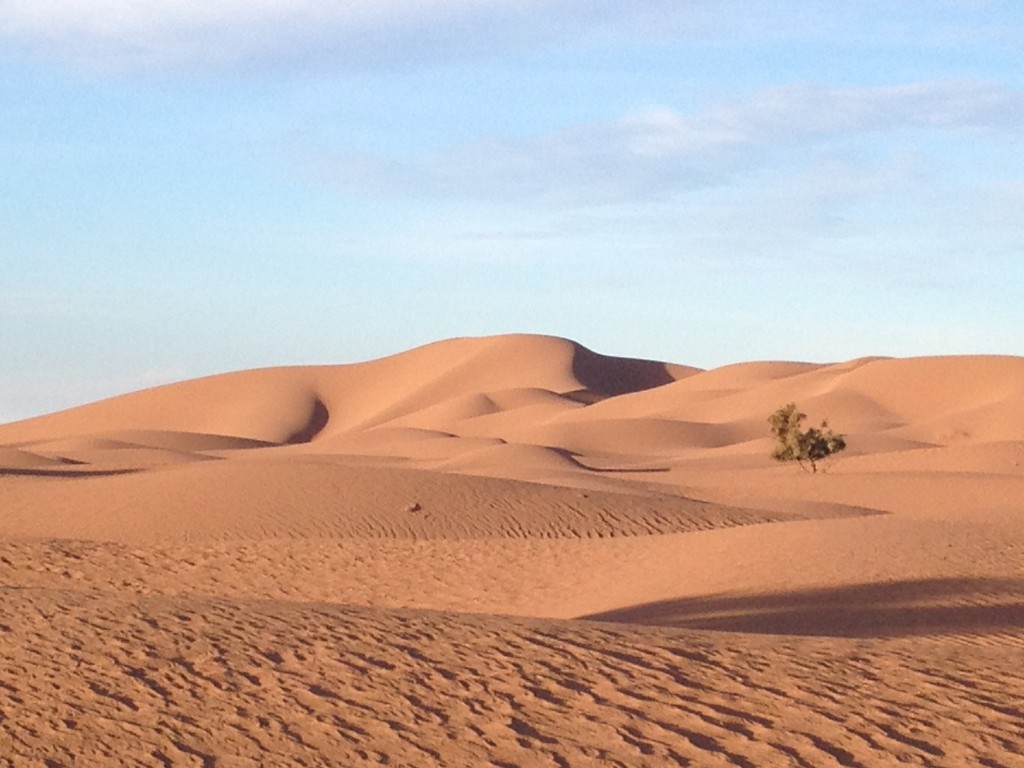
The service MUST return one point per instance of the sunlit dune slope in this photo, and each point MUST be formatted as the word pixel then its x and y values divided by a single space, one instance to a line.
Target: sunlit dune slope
pixel 287 499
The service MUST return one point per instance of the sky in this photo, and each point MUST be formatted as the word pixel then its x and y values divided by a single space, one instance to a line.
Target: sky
pixel 190 188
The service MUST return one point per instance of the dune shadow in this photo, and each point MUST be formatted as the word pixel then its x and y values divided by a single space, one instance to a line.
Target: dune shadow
pixel 605 376
pixel 625 470
pixel 576 460
pixel 65 473
pixel 318 418
pixel 882 610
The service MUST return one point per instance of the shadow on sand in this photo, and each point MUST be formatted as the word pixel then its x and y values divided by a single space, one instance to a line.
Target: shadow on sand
pixel 605 376
pixel 65 473
pixel 881 610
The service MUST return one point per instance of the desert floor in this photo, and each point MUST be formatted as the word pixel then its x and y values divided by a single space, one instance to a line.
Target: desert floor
pixel 513 551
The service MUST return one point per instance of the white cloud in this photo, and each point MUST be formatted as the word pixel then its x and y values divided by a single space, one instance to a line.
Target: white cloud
pixel 127 19
pixel 127 34
pixel 661 152
pixel 131 33
pixel 798 112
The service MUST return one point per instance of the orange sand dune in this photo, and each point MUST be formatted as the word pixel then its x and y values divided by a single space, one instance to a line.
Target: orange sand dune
pixel 286 405
pixel 321 565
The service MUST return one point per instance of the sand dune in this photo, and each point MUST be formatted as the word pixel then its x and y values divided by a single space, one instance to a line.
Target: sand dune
pixel 14 459
pixel 516 551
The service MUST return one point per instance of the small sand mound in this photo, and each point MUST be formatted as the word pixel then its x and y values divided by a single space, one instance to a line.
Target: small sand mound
pixel 15 458
pixel 267 498
pixel 514 460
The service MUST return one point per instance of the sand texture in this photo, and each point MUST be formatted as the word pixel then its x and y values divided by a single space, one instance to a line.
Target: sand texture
pixel 513 551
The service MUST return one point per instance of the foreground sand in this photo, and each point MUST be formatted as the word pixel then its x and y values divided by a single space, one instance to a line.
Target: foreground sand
pixel 512 551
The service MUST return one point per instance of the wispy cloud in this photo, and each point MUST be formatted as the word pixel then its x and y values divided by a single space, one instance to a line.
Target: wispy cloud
pixel 120 34
pixel 659 153
pixel 127 34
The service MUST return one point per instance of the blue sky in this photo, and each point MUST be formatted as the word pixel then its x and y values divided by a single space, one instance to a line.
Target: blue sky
pixel 189 188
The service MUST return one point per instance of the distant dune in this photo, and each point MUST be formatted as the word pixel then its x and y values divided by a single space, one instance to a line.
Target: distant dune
pixel 516 551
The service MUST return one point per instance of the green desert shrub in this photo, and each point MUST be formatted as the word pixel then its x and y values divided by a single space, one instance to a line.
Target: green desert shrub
pixel 804 446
